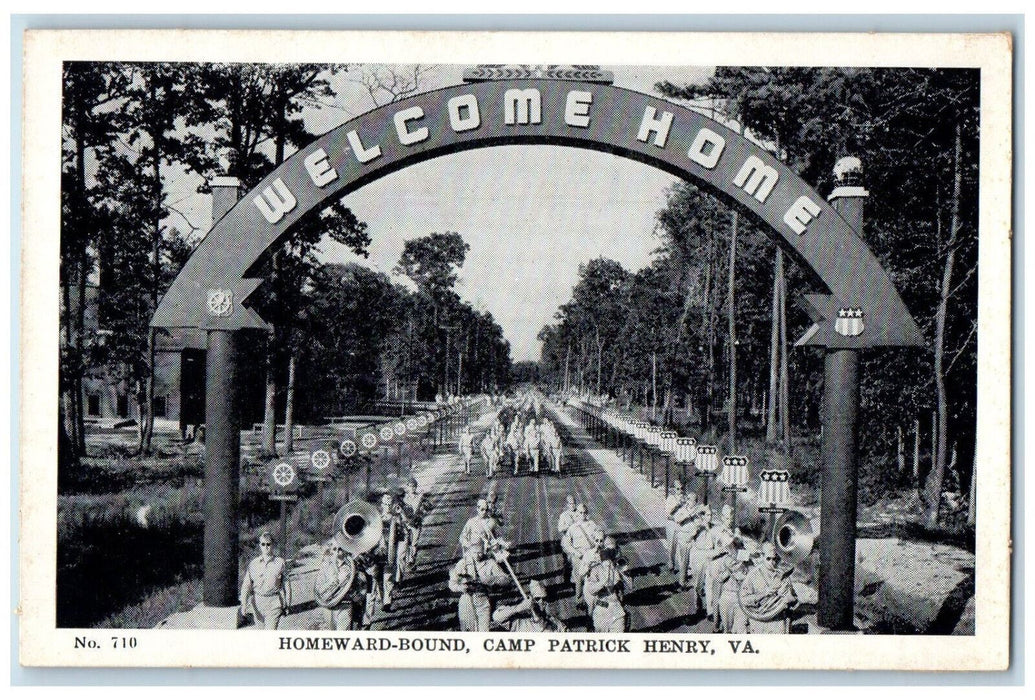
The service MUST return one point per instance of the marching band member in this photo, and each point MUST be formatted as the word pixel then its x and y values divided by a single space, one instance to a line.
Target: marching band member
pixel 606 583
pixel 480 527
pixel 385 575
pixel 530 615
pixel 675 501
pixel 580 541
pixel 766 595
pixel 342 587
pixel 473 577
pixel 732 618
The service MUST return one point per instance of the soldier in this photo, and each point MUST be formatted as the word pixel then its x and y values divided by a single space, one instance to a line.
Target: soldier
pixel 416 504
pixel 478 528
pixel 532 442
pixel 607 581
pixel 530 615
pixel 766 595
pixel 342 586
pixel 265 592
pixel 689 526
pixel 732 619
pixel 514 443
pixel 675 501
pixel 473 577
pixel 715 572
pixel 386 558
pixel 565 521
pixel 580 541
pixel 466 446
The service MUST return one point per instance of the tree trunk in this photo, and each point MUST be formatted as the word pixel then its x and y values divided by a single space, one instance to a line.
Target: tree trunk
pixel 567 364
pixel 731 318
pixel 937 476
pixel 654 386
pixel 901 452
pixel 269 417
pixel 149 395
pixel 785 382
pixel 289 410
pixel 774 350
pixel 972 500
pixel 916 453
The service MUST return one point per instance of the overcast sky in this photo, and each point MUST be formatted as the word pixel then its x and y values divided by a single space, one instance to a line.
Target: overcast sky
pixel 531 214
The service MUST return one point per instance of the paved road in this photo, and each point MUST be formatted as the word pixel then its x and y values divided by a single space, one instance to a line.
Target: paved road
pixel 530 506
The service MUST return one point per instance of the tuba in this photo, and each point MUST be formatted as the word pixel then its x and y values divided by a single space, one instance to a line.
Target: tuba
pixel 794 537
pixel 357 527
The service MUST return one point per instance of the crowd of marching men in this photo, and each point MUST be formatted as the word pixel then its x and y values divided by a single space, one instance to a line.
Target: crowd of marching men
pixel 740 586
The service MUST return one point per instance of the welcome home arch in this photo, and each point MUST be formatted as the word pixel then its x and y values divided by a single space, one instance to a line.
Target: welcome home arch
pixel 575 108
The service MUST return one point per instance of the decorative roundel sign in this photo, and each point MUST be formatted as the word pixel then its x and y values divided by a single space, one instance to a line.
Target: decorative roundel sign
pixel 422 420
pixel 411 424
pixel 368 441
pixel 347 448
pixel 400 428
pixel 282 475
pixel 386 433
pixel 320 459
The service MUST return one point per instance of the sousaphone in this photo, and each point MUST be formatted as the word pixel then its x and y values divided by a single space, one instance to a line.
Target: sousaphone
pixel 794 537
pixel 357 527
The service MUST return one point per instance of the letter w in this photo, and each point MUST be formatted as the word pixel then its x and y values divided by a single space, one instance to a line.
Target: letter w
pixel 756 178
pixel 275 201
pixel 522 106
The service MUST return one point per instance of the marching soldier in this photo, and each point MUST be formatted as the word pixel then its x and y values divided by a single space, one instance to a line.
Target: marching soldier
pixel 342 587
pixel 532 441
pixel 732 618
pixel 767 595
pixel 473 577
pixel 265 592
pixel 388 556
pixel 580 541
pixel 514 443
pixel 690 525
pixel 676 500
pixel 416 504
pixel 565 521
pixel 478 528
pixel 715 573
pixel 530 615
pixel 607 581
pixel 493 511
pixel 466 446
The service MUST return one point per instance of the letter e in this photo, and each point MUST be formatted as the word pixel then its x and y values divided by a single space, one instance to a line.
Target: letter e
pixel 320 171
pixel 800 214
pixel 576 109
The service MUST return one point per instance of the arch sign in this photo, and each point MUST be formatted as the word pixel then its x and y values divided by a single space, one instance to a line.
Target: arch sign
pixel 862 310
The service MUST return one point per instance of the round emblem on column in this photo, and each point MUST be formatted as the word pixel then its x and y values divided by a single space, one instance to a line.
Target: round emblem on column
pixel 220 302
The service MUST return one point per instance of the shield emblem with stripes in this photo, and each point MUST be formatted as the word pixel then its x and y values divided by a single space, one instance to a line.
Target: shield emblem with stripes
pixel 849 322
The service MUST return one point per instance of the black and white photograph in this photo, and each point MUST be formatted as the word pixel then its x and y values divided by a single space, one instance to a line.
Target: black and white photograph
pixel 506 364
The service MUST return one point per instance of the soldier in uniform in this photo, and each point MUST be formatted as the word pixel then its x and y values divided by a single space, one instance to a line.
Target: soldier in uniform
pixel 732 618
pixel 415 504
pixel 385 576
pixel 767 595
pixel 606 584
pixel 565 521
pixel 466 446
pixel 530 615
pixel 532 441
pixel 490 452
pixel 265 592
pixel 690 525
pixel 478 528
pixel 342 587
pixel 676 500
pixel 514 443
pixel 474 577
pixel 580 541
